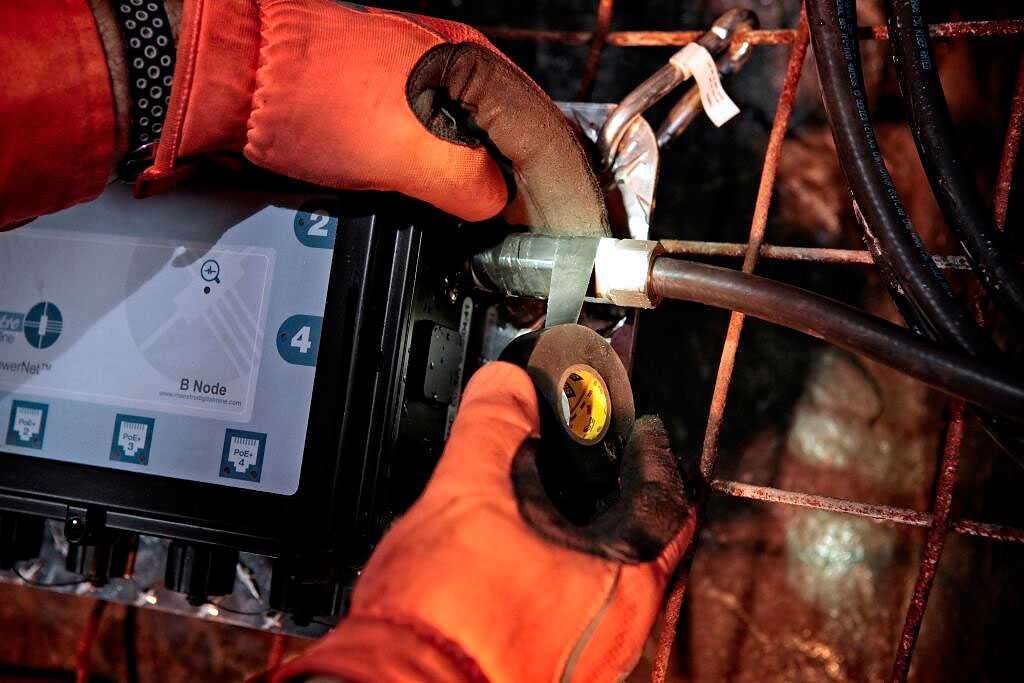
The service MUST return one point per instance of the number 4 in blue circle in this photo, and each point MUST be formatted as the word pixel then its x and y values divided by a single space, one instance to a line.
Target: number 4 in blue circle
pixel 298 339
pixel 316 223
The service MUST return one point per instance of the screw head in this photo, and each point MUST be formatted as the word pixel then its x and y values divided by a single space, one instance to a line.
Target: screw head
pixel 74 529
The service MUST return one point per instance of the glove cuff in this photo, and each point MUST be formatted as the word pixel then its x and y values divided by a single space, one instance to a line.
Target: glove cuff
pixel 214 80
pixel 382 648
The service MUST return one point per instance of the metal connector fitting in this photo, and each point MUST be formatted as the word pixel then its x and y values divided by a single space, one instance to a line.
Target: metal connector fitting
pixel 622 272
pixel 522 265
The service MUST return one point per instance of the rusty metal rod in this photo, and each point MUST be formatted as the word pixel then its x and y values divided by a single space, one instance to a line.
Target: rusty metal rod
pixel 953 29
pixel 880 513
pixel 785 253
pixel 994 532
pixel 605 11
pixel 1011 146
pixel 934 544
pixel 780 124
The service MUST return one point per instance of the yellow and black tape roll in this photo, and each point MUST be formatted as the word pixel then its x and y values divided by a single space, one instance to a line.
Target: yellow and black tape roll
pixel 586 401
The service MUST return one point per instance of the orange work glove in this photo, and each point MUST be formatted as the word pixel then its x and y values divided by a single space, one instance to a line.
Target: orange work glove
pixel 350 97
pixel 463 588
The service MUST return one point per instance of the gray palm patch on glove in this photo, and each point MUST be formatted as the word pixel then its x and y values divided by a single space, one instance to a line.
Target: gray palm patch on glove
pixel 648 513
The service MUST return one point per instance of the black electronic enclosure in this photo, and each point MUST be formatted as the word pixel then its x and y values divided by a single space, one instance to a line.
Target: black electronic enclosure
pixel 376 427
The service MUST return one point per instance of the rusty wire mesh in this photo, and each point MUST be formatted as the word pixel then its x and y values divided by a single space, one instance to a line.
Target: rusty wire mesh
pixel 937 522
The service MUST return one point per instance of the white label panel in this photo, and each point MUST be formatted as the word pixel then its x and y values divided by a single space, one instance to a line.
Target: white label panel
pixel 150 326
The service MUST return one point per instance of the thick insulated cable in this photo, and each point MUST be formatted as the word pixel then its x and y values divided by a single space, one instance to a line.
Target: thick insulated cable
pixel 954 187
pixel 911 315
pixel 977 381
pixel 888 230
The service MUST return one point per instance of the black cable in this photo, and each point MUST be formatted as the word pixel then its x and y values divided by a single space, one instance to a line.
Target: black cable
pixel 976 381
pixel 955 190
pixel 886 227
pixel 888 230
pixel 1007 434
pixel 915 321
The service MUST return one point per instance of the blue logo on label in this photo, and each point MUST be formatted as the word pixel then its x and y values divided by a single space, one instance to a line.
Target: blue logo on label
pixel 27 424
pixel 242 457
pixel 132 438
pixel 10 322
pixel 298 339
pixel 316 223
pixel 43 324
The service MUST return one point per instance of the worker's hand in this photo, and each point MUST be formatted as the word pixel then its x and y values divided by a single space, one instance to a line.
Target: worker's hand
pixel 484 580
pixel 351 97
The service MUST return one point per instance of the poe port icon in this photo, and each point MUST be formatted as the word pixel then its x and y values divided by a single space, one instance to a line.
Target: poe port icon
pixel 133 436
pixel 27 424
pixel 242 457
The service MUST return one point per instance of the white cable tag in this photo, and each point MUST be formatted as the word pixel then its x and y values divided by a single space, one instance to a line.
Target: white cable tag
pixel 695 60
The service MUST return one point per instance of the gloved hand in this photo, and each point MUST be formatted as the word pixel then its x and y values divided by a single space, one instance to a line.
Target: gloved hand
pixel 351 97
pixel 463 588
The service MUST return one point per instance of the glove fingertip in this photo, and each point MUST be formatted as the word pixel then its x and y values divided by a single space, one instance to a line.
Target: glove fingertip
pixel 649 435
pixel 499 386
pixel 487 201
pixel 462 181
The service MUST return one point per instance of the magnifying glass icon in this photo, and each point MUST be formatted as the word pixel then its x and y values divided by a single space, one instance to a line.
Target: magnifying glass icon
pixel 210 271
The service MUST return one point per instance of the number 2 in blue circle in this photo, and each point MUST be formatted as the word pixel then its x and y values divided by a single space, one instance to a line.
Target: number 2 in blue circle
pixel 316 223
